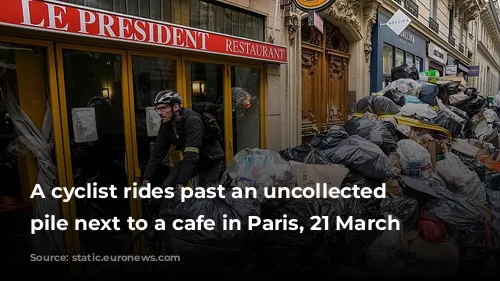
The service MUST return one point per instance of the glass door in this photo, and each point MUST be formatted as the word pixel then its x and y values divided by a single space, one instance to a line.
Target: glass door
pixel 247 108
pixel 94 102
pixel 30 151
pixel 205 93
pixel 150 74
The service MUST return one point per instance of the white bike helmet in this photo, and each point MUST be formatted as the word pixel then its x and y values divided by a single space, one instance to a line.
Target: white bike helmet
pixel 167 97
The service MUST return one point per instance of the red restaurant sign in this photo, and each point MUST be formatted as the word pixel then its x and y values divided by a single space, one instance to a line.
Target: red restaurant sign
pixel 67 18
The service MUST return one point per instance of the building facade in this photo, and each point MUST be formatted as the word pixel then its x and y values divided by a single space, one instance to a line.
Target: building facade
pixel 408 47
pixel 328 69
pixel 447 27
pixel 78 78
pixel 487 56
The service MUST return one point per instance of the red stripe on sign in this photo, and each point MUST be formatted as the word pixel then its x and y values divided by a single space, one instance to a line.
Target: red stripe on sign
pixel 67 18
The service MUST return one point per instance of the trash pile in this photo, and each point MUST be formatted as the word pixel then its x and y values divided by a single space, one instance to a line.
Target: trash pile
pixel 431 140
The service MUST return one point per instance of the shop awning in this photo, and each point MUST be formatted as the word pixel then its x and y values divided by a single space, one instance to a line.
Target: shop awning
pixel 54 16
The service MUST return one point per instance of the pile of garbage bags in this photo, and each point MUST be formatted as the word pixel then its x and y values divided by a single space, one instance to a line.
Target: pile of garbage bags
pixel 445 103
pixel 439 188
pixel 449 211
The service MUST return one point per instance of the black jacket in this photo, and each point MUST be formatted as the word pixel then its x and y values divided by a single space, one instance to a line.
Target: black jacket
pixel 190 139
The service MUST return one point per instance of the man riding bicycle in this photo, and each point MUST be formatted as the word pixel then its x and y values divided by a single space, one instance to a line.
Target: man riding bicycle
pixel 187 131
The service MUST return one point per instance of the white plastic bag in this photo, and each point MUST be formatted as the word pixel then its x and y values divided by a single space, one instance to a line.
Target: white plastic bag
pixel 459 179
pixel 409 151
pixel 406 86
pixel 259 168
pixel 422 110
pixel 490 116
pixel 496 101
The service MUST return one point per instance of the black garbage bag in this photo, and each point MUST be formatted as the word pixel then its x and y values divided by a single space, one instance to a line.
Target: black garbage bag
pixel 373 130
pixel 446 90
pixel 396 96
pixel 304 153
pixel 365 104
pixel 458 211
pixel 405 71
pixel 329 138
pixel 494 182
pixel 446 119
pixel 462 114
pixel 443 95
pixel 354 178
pixel 218 251
pixel 466 223
pixel 317 157
pixel 379 105
pixel 473 105
pixel 360 208
pixel 451 88
pixel 420 188
pixel 406 209
pixel 470 91
pixel 293 251
pixel 358 240
pixel 493 197
pixel 362 156
pixel 428 93
pixel 485 174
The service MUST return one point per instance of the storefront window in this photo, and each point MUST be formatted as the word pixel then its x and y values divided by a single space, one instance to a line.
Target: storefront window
pixel 205 87
pixel 94 106
pixel 387 60
pixel 208 15
pixel 245 88
pixel 399 57
pixel 410 58
pixel 418 63
pixel 24 96
pixel 150 76
pixel 219 17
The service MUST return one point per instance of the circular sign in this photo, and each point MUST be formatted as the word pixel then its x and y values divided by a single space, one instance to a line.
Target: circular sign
pixel 313 5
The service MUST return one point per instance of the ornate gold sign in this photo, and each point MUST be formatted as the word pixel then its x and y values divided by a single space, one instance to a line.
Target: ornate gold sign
pixel 313 5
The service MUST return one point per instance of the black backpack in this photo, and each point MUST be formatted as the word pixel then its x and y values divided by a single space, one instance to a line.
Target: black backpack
pixel 214 131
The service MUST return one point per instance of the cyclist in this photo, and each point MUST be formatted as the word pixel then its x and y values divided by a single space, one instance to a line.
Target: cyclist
pixel 186 130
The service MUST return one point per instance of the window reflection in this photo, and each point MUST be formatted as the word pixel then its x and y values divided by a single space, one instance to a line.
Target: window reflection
pixel 245 88
pixel 387 59
pixel 399 57
pixel 150 76
pixel 206 91
pixel 418 63
pixel 410 58
pixel 97 142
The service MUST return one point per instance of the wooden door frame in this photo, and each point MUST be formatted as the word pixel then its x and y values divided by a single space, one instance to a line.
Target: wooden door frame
pixel 226 97
pixel 139 247
pixel 56 126
pixel 345 95
pixel 262 97
pixel 322 68
pixel 65 127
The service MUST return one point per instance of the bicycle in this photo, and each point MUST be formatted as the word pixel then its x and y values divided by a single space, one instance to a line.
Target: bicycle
pixel 152 238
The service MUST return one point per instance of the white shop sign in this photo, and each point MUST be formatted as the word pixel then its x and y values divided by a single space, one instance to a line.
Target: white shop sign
pixel 398 22
pixel 451 70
